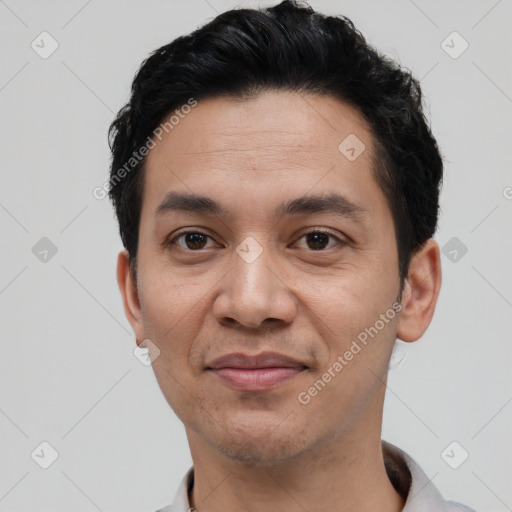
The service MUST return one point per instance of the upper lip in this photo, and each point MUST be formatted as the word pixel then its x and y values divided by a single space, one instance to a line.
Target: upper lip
pixel 262 360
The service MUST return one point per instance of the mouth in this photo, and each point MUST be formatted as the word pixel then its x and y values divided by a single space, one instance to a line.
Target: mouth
pixel 256 373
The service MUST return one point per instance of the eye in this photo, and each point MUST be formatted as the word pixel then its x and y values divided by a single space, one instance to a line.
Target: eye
pixel 193 240
pixel 318 239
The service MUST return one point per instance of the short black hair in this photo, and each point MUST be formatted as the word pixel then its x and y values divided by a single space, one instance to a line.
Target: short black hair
pixel 290 47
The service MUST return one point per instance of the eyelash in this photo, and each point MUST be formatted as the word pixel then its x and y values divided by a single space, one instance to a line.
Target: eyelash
pixel 172 241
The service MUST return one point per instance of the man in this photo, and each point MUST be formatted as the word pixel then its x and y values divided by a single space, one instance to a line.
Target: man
pixel 276 186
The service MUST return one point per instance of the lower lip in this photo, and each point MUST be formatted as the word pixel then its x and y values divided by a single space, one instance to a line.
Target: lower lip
pixel 256 379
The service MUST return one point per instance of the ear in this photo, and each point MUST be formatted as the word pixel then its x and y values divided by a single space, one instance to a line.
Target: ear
pixel 420 292
pixel 131 303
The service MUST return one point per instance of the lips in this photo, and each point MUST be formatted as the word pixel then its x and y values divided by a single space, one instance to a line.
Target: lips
pixel 256 372
pixel 264 360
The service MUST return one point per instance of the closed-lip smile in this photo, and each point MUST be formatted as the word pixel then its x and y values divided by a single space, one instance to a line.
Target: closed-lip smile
pixel 255 372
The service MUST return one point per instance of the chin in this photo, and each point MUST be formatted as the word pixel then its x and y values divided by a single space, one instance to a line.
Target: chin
pixel 257 453
pixel 259 445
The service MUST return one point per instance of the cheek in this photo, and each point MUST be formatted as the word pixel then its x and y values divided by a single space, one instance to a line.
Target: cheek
pixel 347 312
pixel 351 300
pixel 172 320
pixel 358 345
pixel 171 313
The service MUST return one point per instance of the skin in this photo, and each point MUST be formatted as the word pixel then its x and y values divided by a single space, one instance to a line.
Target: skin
pixel 264 450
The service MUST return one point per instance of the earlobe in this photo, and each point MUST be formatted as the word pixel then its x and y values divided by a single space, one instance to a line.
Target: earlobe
pixel 129 294
pixel 421 292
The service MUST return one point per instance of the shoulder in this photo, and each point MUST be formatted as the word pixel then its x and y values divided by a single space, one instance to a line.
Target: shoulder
pixel 453 506
pixel 413 484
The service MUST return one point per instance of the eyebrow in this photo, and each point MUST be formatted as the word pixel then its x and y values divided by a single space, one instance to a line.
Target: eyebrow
pixel 197 204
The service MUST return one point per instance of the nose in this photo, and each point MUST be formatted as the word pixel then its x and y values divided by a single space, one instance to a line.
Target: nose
pixel 255 294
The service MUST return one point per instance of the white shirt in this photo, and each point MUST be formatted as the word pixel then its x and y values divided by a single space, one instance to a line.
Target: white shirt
pixel 407 477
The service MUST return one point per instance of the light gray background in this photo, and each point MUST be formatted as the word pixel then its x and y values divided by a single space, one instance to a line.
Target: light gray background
pixel 68 373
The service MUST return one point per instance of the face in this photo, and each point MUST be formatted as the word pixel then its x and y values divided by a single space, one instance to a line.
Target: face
pixel 252 270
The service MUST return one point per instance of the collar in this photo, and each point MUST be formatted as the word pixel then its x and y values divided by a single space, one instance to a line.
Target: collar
pixel 404 473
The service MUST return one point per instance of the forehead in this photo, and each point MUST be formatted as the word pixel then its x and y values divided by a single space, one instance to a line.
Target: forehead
pixel 263 148
pixel 277 120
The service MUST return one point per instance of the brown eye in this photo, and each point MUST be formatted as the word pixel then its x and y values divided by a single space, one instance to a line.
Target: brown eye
pixel 193 240
pixel 319 240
